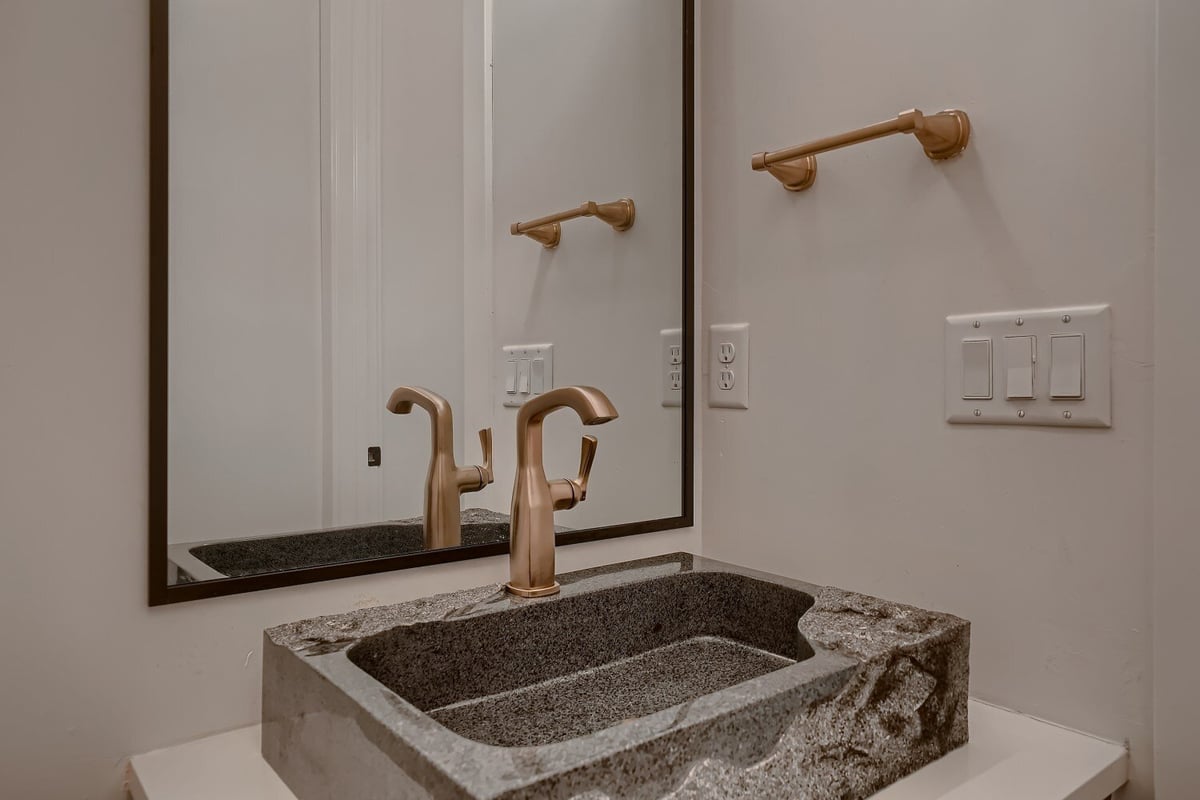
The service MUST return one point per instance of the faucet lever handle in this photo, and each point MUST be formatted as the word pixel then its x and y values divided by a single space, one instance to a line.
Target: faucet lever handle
pixel 485 444
pixel 587 456
pixel 476 477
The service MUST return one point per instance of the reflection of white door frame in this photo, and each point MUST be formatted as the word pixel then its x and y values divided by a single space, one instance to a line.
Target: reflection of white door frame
pixel 479 360
pixel 351 100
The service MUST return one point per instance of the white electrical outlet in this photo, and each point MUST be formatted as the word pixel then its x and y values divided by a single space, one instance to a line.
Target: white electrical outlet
pixel 671 359
pixel 526 370
pixel 729 366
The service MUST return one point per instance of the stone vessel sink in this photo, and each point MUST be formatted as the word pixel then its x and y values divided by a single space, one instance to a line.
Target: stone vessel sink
pixel 673 677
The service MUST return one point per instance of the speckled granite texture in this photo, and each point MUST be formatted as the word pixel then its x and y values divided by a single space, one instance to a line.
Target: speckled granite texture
pixel 254 556
pixel 600 697
pixel 675 677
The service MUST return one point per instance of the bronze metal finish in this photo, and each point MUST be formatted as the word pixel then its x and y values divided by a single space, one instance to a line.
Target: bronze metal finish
pixel 942 135
pixel 548 230
pixel 535 499
pixel 445 480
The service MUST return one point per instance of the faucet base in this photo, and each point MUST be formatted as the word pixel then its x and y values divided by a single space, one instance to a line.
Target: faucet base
pixel 544 591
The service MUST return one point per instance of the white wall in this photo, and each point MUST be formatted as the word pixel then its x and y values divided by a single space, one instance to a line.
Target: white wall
pixel 843 470
pixel 245 277
pixel 587 107
pixel 93 675
pixel 1176 386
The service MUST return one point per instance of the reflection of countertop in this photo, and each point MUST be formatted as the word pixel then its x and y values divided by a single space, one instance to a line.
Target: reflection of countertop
pixel 478 516
pixel 256 555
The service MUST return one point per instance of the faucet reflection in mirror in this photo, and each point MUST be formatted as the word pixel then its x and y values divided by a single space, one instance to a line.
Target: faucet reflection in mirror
pixel 535 499
pixel 445 480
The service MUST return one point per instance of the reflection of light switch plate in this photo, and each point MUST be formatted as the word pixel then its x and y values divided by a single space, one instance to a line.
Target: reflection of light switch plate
pixel 1047 366
pixel 671 360
pixel 729 367
pixel 526 370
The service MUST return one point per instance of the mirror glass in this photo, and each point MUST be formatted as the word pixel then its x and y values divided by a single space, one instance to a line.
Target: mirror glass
pixel 348 189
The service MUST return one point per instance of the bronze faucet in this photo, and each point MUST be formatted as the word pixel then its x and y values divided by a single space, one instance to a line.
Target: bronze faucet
pixel 445 480
pixel 535 499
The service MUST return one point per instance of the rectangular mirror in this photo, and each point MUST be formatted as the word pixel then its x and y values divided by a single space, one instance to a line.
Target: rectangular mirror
pixel 378 228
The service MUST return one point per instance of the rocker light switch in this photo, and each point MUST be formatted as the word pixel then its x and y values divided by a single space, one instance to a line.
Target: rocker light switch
pixel 539 376
pixel 1020 354
pixel 1066 367
pixel 977 369
pixel 523 376
pixel 510 376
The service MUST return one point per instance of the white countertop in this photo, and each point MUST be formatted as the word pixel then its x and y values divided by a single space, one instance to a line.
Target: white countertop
pixel 1009 756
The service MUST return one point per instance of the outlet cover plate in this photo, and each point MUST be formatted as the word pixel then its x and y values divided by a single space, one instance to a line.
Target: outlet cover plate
pixel 671 360
pixel 729 365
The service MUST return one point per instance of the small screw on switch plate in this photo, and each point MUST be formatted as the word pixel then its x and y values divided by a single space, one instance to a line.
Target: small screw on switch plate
pixel 374 456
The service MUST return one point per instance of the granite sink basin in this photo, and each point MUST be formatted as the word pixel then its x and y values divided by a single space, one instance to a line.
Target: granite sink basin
pixel 676 677
pixel 535 675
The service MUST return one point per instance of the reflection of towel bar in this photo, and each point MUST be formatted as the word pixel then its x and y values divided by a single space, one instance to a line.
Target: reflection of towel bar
pixel 943 135
pixel 547 230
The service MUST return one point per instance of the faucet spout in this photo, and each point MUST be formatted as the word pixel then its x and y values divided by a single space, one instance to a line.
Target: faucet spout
pixel 535 499
pixel 441 416
pixel 591 404
pixel 445 480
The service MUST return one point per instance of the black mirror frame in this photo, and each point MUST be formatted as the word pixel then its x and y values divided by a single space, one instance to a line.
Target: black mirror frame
pixel 160 592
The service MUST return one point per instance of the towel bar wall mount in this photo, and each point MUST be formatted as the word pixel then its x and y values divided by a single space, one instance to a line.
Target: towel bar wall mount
pixel 942 135
pixel 620 214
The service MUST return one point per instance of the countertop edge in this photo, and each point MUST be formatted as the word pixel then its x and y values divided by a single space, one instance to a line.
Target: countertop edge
pixel 1009 754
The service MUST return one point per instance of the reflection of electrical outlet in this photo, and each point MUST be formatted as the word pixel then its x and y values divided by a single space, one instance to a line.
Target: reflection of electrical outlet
pixel 671 358
pixel 729 345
